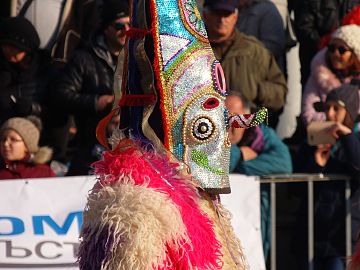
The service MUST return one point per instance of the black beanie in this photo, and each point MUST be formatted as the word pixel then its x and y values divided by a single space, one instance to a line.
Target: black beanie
pixel 112 10
pixel 19 32
pixel 347 96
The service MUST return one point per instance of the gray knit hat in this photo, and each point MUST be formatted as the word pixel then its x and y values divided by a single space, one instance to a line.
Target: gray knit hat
pixel 350 34
pixel 27 130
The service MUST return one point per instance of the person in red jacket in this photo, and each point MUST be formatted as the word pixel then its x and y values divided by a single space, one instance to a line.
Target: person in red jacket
pixel 21 156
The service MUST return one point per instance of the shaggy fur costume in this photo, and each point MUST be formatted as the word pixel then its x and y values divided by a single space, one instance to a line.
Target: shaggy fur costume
pixel 142 215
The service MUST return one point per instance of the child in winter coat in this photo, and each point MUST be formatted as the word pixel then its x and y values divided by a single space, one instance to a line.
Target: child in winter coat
pixel 21 156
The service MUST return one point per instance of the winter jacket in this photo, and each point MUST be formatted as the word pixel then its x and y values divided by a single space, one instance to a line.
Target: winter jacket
pixel 262 20
pixel 88 75
pixel 344 158
pixel 329 196
pixel 24 91
pixel 32 167
pixel 252 70
pixel 273 156
pixel 23 170
pixel 322 80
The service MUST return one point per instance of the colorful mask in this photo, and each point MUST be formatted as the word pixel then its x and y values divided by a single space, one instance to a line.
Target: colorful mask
pixel 145 212
pixel 183 85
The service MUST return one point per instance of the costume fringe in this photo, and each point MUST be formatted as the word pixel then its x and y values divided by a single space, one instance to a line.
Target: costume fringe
pixel 129 227
pixel 143 215
pixel 234 257
pixel 233 243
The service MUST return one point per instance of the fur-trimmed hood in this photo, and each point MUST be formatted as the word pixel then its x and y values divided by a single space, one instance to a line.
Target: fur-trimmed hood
pixel 42 156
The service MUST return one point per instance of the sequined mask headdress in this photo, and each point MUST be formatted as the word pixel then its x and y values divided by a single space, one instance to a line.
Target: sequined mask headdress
pixel 174 90
pixel 146 211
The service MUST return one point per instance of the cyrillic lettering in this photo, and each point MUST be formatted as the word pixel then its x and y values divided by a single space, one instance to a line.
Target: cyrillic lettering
pixel 38 250
pixel 9 251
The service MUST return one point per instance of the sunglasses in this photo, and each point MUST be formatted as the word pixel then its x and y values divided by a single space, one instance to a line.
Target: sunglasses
pixel 120 25
pixel 341 49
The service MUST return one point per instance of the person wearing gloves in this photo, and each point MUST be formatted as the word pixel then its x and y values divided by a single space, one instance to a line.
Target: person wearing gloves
pixel 24 70
pixel 333 66
pixel 21 156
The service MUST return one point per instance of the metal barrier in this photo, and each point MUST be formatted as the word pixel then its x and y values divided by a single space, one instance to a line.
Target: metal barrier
pixel 310 179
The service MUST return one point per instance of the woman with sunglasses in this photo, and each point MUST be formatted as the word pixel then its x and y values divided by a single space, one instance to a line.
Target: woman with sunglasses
pixel 333 66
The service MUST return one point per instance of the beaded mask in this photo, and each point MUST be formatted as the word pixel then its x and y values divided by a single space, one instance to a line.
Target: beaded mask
pixel 173 90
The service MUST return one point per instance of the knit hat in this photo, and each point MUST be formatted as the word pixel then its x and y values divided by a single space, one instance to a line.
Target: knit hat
pixel 29 130
pixel 346 96
pixel 350 34
pixel 112 10
pixel 18 31
pixel 228 5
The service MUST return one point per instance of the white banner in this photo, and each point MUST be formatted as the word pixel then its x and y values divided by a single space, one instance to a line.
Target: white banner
pixel 40 220
pixel 244 204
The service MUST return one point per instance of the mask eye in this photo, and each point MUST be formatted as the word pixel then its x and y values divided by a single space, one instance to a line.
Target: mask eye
pixel 211 103
pixel 203 129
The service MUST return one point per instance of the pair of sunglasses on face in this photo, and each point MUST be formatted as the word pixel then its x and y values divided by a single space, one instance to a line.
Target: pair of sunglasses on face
pixel 119 26
pixel 341 49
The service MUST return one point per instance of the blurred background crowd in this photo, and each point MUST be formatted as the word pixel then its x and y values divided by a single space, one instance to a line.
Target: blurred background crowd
pixel 298 58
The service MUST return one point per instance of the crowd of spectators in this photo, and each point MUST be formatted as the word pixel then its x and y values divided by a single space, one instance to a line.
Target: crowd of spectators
pixel 57 68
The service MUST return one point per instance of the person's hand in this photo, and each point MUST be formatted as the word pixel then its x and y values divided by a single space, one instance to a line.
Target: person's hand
pixel 103 102
pixel 322 154
pixel 236 134
pixel 337 130
pixel 248 153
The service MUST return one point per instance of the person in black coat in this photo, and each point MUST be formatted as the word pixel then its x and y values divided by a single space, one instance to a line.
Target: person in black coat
pixel 85 88
pixel 24 70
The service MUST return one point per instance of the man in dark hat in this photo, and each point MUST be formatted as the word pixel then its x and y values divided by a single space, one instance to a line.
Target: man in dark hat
pixel 85 88
pixel 248 66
